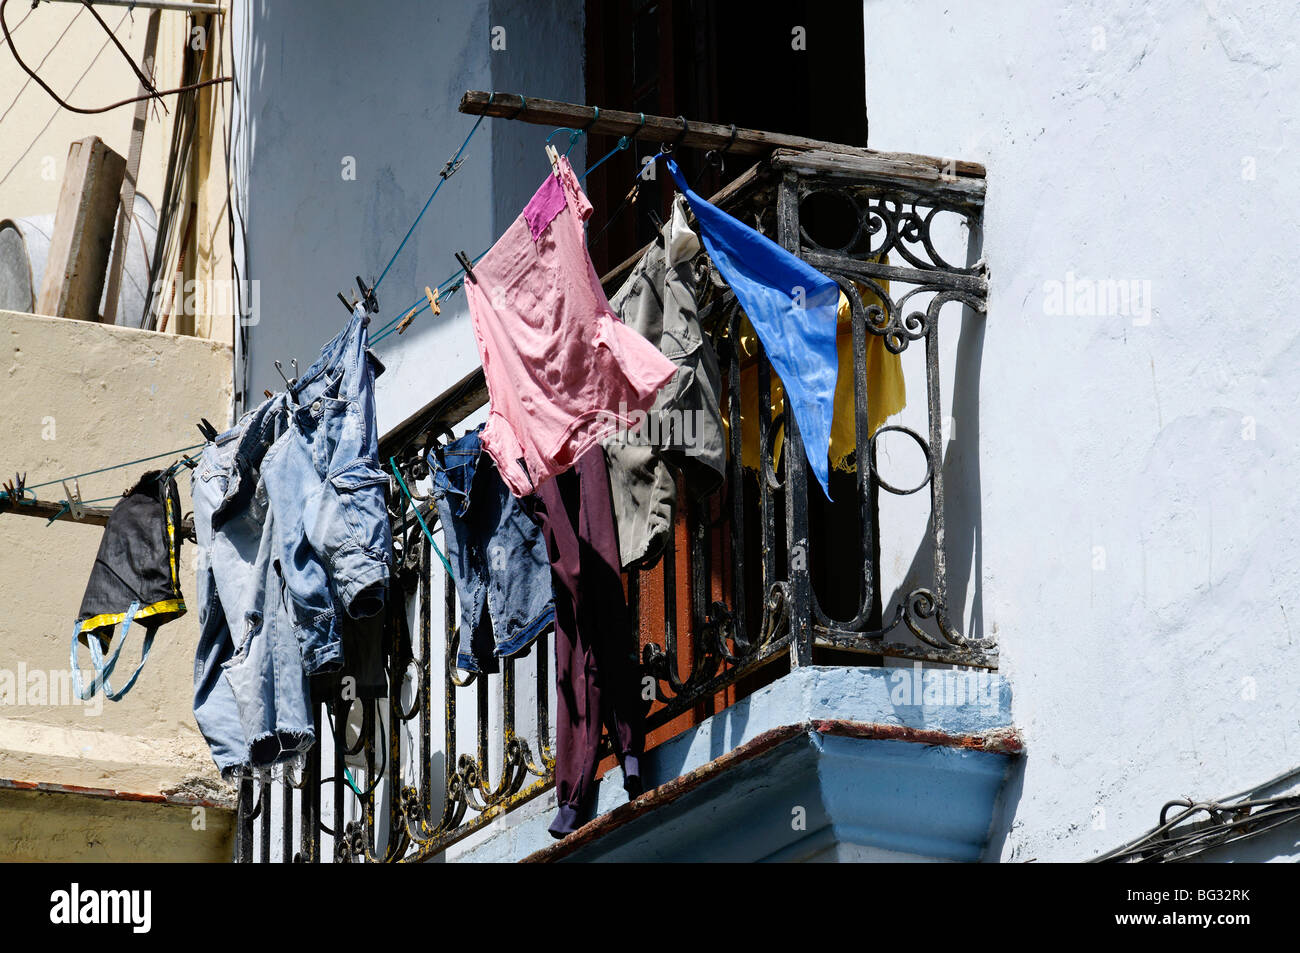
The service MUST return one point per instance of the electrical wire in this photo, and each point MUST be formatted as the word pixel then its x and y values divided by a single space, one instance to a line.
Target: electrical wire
pixel 1251 816
pixel 89 111
pixel 52 48
pixel 54 115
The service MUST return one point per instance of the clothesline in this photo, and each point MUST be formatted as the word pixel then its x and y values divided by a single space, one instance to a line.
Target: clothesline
pixel 447 287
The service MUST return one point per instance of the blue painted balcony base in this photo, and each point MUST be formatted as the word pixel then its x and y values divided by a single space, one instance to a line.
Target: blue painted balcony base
pixel 838 764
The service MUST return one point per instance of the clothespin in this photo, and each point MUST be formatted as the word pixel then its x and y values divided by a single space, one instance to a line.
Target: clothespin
pixel 368 296
pixel 410 315
pixel 466 266
pixel 14 488
pixel 205 427
pixel 450 166
pixel 553 154
pixel 72 499
pixel 349 306
pixel 287 382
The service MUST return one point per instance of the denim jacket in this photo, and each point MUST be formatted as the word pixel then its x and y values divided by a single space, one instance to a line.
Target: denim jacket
pixel 330 497
pixel 251 698
pixel 292 525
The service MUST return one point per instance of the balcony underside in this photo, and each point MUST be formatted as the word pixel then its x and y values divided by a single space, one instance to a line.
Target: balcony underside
pixel 826 763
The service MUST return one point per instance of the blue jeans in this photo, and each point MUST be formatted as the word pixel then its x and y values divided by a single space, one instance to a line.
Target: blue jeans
pixel 503 572
pixel 251 697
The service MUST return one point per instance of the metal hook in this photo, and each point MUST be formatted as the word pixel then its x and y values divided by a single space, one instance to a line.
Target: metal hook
pixel 523 107
pixel 686 127
pixel 592 121
pixel 280 370
pixel 730 142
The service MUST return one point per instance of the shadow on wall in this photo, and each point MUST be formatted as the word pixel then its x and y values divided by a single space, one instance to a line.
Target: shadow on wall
pixel 963 515
pixel 1004 813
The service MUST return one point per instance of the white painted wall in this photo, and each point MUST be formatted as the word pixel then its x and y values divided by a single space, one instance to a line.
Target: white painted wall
pixel 1137 551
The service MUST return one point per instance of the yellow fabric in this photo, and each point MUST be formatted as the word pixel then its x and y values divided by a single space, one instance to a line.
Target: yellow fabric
pixel 171 547
pixel 158 608
pixel 886 389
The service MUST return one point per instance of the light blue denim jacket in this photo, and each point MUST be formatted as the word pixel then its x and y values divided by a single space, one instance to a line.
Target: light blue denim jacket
pixel 251 697
pixel 292 526
pixel 330 497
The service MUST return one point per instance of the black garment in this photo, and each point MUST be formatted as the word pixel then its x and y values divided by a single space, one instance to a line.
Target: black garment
pixel 135 578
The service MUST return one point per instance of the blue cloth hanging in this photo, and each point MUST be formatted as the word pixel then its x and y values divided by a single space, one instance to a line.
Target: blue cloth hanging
pixel 793 308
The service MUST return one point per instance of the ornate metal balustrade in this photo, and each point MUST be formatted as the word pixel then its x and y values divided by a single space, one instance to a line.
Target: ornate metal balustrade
pixel 740 591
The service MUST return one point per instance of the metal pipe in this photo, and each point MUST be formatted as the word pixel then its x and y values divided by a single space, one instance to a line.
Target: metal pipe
pixel 151 5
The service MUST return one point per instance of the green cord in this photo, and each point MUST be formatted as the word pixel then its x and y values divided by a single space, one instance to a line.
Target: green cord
pixel 392 462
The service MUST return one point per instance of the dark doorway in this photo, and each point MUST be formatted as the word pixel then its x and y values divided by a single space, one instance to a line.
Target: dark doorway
pixel 715 61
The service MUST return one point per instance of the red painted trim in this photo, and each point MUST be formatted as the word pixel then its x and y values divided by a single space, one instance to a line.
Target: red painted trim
pixel 177 800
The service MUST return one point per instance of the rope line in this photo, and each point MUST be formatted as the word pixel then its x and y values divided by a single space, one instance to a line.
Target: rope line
pixel 448 170
pixel 116 466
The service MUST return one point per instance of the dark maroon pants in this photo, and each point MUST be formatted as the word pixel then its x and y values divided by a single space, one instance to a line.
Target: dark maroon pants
pixel 595 644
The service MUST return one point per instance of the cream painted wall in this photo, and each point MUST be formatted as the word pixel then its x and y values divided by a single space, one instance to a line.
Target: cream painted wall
pixel 79 396
pixel 37 131
pixel 71 827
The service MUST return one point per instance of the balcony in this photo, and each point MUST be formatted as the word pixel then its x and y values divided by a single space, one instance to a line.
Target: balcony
pixel 816 645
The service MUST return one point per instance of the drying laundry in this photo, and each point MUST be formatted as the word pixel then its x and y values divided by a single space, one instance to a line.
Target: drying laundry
pixel 251 697
pixel 501 567
pixel 683 430
pixel 562 371
pixel 792 306
pixel 134 580
pixel 324 480
pixel 596 647
pixel 886 389
pixel 291 519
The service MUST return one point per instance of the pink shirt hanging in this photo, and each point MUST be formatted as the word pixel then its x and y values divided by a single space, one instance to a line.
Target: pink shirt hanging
pixel 562 370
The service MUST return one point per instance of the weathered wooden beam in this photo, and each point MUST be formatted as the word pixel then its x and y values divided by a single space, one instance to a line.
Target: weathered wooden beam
pixel 931 177
pixel 90 515
pixel 83 231
pixel 691 134
pixel 50 509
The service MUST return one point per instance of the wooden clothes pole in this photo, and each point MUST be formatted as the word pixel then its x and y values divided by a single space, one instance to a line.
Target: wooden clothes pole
pixel 90 515
pixel 126 207
pixel 686 133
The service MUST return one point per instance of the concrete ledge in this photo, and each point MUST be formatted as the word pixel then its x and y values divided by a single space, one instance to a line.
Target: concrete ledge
pixel 45 823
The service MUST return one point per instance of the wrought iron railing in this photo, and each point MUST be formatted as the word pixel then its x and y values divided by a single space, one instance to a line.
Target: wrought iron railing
pixel 744 587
